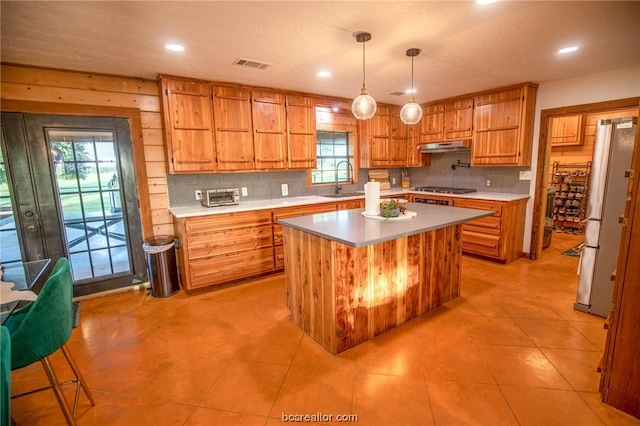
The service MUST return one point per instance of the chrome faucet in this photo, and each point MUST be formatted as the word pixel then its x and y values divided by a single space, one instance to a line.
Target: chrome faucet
pixel 349 174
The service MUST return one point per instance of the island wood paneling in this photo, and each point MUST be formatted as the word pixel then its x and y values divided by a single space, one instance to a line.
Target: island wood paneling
pixel 50 91
pixel 342 295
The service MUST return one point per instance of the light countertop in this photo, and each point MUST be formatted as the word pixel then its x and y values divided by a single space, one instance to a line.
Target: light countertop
pixel 351 228
pixel 244 206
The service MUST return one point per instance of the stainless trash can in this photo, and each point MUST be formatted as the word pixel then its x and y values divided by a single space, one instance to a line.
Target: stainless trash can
pixel 161 263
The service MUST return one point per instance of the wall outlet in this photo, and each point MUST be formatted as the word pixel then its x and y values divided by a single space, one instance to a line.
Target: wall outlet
pixel 285 189
pixel 198 194
pixel 393 181
pixel 526 175
pixel 244 191
pixel 488 183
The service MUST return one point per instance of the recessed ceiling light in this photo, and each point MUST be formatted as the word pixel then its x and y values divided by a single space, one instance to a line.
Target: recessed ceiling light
pixel 483 2
pixel 324 74
pixel 174 47
pixel 569 49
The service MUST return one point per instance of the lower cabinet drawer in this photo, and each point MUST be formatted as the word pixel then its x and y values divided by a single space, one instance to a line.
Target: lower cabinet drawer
pixel 480 243
pixel 228 241
pixel 219 269
pixel 279 256
pixel 488 225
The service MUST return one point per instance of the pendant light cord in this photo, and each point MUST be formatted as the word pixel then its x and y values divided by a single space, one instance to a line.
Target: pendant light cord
pixel 363 67
pixel 412 76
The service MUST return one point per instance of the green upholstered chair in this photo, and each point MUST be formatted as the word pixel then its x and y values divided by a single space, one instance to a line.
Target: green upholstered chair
pixel 5 375
pixel 45 327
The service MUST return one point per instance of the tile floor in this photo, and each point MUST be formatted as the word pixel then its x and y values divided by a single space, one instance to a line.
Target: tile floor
pixel 510 350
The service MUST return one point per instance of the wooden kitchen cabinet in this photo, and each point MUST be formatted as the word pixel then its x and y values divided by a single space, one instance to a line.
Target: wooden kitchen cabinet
pixel 432 123
pixel 301 132
pixel 269 129
pixel 445 121
pixel 233 128
pixel 500 236
pixel 458 119
pixel 398 139
pixel 567 130
pixel 188 126
pixel 503 127
pixel 350 204
pixel 292 212
pixel 221 248
pixel 385 141
pixel 375 150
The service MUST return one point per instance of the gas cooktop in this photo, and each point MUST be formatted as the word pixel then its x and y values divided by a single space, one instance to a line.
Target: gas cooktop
pixel 444 190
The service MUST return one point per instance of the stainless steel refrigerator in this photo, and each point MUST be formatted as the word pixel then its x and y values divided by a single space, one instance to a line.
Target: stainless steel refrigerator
pixel 607 197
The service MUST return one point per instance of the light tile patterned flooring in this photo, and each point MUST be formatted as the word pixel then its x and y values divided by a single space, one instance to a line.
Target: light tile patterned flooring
pixel 511 350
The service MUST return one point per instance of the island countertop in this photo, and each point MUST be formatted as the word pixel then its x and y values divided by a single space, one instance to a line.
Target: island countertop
pixel 351 228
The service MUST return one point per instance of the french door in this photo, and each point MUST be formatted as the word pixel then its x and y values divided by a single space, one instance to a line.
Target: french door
pixel 68 188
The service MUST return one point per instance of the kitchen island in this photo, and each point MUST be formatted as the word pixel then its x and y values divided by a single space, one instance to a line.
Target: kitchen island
pixel 349 278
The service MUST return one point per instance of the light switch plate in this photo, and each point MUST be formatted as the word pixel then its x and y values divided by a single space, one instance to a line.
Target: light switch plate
pixel 526 175
pixel 285 189
pixel 244 191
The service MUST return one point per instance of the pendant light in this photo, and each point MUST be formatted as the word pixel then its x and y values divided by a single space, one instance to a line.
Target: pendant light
pixel 411 112
pixel 364 106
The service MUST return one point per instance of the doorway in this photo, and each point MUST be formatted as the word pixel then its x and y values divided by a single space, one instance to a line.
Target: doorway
pixel 70 190
pixel 544 164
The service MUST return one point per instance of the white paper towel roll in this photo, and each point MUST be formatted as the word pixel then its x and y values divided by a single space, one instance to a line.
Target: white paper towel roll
pixel 372 198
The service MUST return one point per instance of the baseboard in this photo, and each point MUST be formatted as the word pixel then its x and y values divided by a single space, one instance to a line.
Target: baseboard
pixel 138 287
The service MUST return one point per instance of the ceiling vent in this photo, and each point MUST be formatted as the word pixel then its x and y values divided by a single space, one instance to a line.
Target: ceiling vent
pixel 252 64
pixel 397 93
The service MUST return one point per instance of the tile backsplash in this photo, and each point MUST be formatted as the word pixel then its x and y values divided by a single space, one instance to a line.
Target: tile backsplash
pixel 442 173
pixel 267 185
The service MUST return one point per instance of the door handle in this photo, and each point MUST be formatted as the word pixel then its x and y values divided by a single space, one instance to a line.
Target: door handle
pixel 32 228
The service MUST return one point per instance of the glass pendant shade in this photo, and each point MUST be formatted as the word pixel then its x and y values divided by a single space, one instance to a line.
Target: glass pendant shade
pixel 364 106
pixel 411 112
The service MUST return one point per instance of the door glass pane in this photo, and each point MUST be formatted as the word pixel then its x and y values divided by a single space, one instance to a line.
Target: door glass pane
pixel 87 182
pixel 9 244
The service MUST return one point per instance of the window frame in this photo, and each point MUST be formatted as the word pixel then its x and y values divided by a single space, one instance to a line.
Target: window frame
pixel 337 117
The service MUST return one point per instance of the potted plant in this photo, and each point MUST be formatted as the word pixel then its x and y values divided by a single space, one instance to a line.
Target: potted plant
pixel 389 208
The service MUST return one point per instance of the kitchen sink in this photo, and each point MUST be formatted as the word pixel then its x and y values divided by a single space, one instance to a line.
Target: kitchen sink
pixel 344 195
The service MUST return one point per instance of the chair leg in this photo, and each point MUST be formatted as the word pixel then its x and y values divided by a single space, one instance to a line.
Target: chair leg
pixel 57 391
pixel 81 382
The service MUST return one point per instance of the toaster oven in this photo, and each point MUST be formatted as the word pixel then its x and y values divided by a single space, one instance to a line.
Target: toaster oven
pixel 220 197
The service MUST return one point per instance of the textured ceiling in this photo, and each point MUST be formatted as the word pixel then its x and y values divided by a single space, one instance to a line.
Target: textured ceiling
pixel 465 47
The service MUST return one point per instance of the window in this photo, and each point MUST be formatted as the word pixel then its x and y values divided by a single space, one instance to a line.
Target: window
pixel 332 148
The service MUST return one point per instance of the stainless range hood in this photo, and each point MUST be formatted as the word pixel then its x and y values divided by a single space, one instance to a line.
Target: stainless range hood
pixel 444 147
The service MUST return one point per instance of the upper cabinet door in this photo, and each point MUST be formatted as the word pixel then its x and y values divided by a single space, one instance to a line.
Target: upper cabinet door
pixel 269 129
pixel 432 123
pixel 188 126
pixel 567 130
pixel 503 128
pixel 458 119
pixel 398 140
pixel 301 136
pixel 379 141
pixel 233 130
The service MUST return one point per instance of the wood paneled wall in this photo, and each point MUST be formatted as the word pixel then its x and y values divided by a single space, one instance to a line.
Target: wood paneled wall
pixel 30 89
pixel 582 153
